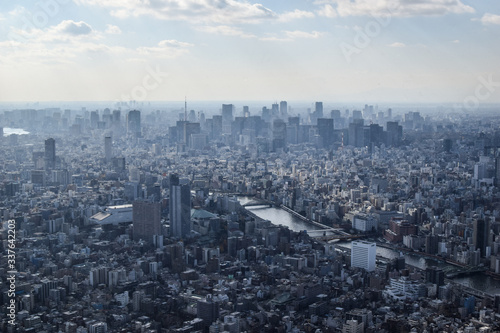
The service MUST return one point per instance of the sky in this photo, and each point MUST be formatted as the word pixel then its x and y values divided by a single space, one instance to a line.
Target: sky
pixel 369 51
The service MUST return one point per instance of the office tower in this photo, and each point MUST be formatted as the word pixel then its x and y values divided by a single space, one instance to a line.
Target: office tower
pixel 363 255
pixel 275 110
pixel 246 112
pixel 134 123
pixel 94 119
pixel 480 235
pixel 189 130
pixel 368 111
pixel 266 114
pixel 146 218
pixel 207 310
pixel 318 110
pixel 216 127
pixel 325 132
pixel 180 208
pixel 283 109
pixel 356 133
pixel 356 114
pixel 117 117
pixel 227 118
pixel 108 149
pixel 394 133
pixel 50 153
pixel 279 134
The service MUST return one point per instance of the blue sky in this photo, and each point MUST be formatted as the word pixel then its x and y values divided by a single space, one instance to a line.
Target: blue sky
pixel 425 51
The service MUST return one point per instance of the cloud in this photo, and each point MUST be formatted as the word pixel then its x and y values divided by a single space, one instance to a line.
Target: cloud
pixel 456 41
pixel 226 31
pixel 400 8
pixel 327 11
pixel 74 28
pixel 113 29
pixel 166 49
pixel 204 11
pixel 397 44
pixel 490 19
pixel 296 14
pixel 303 34
pixel 290 36
pixel 275 39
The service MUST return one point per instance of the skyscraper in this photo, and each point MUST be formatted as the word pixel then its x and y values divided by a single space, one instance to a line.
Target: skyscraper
pixel 108 149
pixel 50 153
pixel 146 217
pixel 134 123
pixel 227 118
pixel 318 109
pixel 363 255
pixel 480 235
pixel 279 134
pixel 325 131
pixel 283 109
pixel 180 208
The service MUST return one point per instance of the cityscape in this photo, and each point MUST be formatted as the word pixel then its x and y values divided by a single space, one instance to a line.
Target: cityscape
pixel 250 220
pixel 244 166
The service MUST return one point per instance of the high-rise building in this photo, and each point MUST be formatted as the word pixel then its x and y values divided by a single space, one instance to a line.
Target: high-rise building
pixel 227 118
pixel 318 109
pixel 363 255
pixel 50 153
pixel 108 149
pixel 180 208
pixel 146 217
pixel 134 123
pixel 208 310
pixel 325 131
pixel 283 109
pixel 480 235
pixel 279 134
pixel 394 133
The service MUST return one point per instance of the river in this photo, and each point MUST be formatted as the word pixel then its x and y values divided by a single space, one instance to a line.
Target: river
pixel 279 216
pixel 8 131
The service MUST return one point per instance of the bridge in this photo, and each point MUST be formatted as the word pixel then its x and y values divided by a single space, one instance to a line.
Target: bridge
pixel 342 236
pixel 452 272
pixel 258 202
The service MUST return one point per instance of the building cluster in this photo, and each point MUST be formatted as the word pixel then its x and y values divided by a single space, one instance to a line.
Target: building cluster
pixel 132 222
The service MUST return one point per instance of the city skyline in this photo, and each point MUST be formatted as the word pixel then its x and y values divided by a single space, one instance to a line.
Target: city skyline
pixel 334 50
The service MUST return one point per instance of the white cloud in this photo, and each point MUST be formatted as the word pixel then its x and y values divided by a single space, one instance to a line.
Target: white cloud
pixel 327 11
pixel 73 28
pixel 303 34
pixel 113 29
pixel 166 49
pixel 403 8
pixel 490 19
pixel 456 41
pixel 72 42
pixel 293 15
pixel 397 44
pixel 226 31
pixel 218 11
pixel 290 36
pixel 275 39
